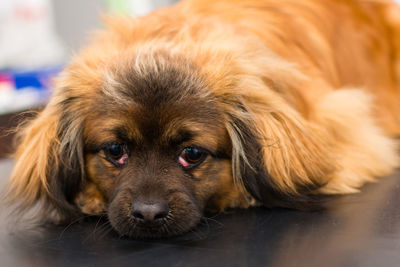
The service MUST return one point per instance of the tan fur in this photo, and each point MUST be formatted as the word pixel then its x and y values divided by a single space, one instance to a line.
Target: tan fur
pixel 317 80
pixel 90 200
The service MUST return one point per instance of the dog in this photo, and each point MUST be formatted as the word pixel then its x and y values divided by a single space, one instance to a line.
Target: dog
pixel 210 105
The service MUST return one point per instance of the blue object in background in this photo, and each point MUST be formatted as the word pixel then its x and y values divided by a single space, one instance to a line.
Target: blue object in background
pixel 23 80
pixel 22 90
pixel 39 79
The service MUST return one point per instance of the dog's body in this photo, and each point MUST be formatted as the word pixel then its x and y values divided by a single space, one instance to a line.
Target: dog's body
pixel 208 105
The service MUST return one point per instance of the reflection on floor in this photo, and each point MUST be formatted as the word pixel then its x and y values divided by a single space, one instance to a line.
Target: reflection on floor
pixel 355 230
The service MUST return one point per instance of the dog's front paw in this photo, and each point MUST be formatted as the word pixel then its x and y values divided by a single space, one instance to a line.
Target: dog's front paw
pixel 91 201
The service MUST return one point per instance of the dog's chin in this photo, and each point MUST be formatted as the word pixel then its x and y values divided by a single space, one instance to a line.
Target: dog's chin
pixel 167 228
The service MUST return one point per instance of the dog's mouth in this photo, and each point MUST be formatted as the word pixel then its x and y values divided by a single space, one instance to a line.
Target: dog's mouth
pixel 149 230
pixel 151 222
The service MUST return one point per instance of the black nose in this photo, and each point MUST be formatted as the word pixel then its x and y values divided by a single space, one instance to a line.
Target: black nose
pixel 149 212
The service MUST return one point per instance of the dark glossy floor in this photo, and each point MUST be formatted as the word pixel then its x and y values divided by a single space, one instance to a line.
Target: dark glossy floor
pixel 356 230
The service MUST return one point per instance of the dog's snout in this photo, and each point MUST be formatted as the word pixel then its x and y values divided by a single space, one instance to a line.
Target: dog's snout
pixel 149 212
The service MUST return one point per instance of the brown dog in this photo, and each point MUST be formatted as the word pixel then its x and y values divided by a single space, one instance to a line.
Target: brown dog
pixel 209 105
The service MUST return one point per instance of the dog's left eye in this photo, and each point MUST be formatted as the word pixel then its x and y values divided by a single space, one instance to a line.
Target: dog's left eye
pixel 116 153
pixel 191 157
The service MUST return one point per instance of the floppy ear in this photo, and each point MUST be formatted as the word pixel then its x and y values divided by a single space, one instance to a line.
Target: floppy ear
pixel 278 160
pixel 278 156
pixel 284 159
pixel 49 166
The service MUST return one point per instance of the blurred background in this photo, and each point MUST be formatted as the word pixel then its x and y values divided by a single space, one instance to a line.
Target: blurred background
pixel 37 38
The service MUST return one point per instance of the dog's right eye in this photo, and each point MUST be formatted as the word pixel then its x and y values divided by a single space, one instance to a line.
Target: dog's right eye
pixel 115 150
pixel 116 153
pixel 192 156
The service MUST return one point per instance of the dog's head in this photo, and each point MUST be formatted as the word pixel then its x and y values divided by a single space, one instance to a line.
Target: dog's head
pixel 156 138
pixel 156 146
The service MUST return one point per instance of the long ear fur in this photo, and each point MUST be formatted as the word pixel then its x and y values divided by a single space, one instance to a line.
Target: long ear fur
pixel 49 167
pixel 284 160
pixel 280 164
pixel 250 173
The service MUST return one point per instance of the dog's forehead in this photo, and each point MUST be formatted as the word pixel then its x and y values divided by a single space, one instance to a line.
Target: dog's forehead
pixel 153 80
pixel 158 99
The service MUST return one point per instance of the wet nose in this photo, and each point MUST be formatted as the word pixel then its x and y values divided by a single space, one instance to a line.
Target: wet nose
pixel 149 212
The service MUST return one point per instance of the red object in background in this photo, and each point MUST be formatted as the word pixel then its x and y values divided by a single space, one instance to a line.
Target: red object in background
pixel 6 81
pixel 29 13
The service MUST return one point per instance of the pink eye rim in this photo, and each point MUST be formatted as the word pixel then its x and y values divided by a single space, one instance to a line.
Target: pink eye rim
pixel 183 162
pixel 116 153
pixel 123 159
